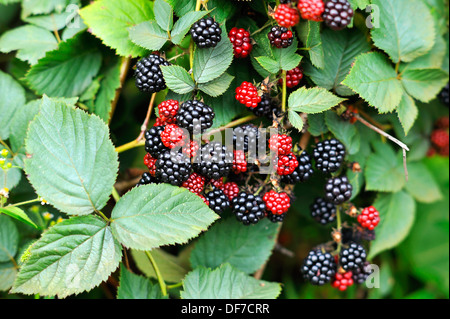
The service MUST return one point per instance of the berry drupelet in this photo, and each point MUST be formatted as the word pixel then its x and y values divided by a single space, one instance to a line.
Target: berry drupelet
pixel 369 218
pixel 286 164
pixel 293 77
pixel 311 9
pixel 277 203
pixel 444 96
pixel 286 15
pixel 149 77
pixel 247 94
pixel 206 33
pixel 168 111
pixel 195 183
pixel 217 200
pixel 147 179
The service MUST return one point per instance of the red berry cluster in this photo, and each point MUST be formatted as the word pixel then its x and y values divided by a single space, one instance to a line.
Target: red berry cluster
pixel 277 203
pixel 369 218
pixel 293 77
pixel 440 138
pixel 247 94
pixel 242 45
pixel 286 15
pixel 343 281
pixel 311 9
pixel 150 162
pixel 173 136
pixel 239 162
pixel 281 144
pixel 168 111
pixel 195 183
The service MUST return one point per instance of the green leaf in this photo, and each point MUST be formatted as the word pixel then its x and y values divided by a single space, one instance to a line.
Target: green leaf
pixel 19 214
pixel 148 35
pixel 421 184
pixel 182 7
pixel 309 34
pixel 8 272
pixel 287 58
pixel 360 4
pixel 313 100
pixel 384 170
pixel 9 239
pixel 424 84
pixel 109 20
pixel 407 112
pixel 154 215
pixel 107 91
pixel 210 63
pixel 244 248
pixel 163 14
pixel 397 211
pixel 269 64
pixel 24 115
pixel 397 17
pixel 73 164
pixel 432 60
pixel 51 22
pixel 31 7
pixel 316 124
pixel 340 50
pixel 218 86
pixel 344 131
pixel 372 74
pixel 171 267
pixel 12 97
pixel 11 176
pixel 295 120
pixel 178 79
pixel 182 26
pixel 137 287
pixel 67 71
pixel 30 42
pixel 226 282
pixel 73 256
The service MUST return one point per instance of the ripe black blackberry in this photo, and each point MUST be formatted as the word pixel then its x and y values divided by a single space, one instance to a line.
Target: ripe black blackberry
pixel 195 116
pixel 248 208
pixel 275 218
pixel 360 274
pixel 338 14
pixel 267 107
pixel 444 96
pixel 329 155
pixel 322 211
pixel 149 77
pixel 214 161
pixel 247 137
pixel 338 190
pixel 218 201
pixel 280 37
pixel 352 257
pixel 303 171
pixel 173 168
pixel 153 141
pixel 206 33
pixel 147 179
pixel 319 267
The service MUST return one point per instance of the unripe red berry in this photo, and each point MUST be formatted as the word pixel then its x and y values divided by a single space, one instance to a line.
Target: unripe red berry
pixel 240 39
pixel 369 218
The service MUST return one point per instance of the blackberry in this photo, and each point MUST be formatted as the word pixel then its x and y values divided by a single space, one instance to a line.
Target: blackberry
pixel 319 268
pixel 195 116
pixel 338 190
pixel 323 211
pixel 329 155
pixel 275 218
pixel 214 161
pixel 357 235
pixel 266 107
pixel 360 274
pixel 337 14
pixel 280 37
pixel 303 171
pixel 146 179
pixel 149 77
pixel 444 96
pixel 217 200
pixel 173 168
pixel 248 208
pixel 352 257
pixel 206 33
pixel 246 137
pixel 153 142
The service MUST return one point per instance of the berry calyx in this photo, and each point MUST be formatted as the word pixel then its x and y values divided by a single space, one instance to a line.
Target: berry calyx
pixel 337 14
pixel 281 144
pixel 280 37
pixel 277 203
pixel 206 33
pixel 311 9
pixel 343 281
pixel 293 77
pixel 173 136
pixel 286 15
pixel 149 77
pixel 247 94
pixel 240 38
pixel 369 218
pixel 168 111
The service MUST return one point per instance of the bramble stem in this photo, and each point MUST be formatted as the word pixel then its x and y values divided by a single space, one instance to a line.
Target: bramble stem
pixel 147 118
pixel 284 94
pixel 339 227
pixel 25 203
pixel 129 146
pixel 230 125
pixel 162 284
pixel 115 194
pixel 124 67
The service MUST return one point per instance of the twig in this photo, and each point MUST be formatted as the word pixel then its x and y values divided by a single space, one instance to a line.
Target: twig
pixel 230 125
pixel 147 118
pixel 389 137
pixel 124 67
